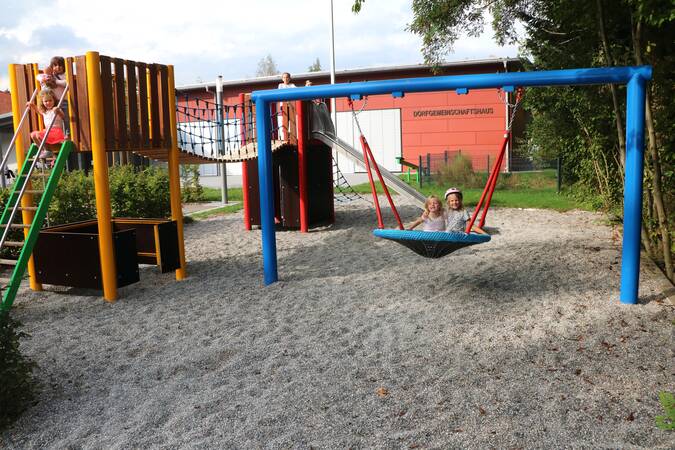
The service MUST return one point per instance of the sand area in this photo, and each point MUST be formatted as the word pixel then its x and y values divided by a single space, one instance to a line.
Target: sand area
pixel 517 343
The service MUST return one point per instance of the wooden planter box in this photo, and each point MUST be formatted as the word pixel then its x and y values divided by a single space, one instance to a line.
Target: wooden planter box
pixel 68 255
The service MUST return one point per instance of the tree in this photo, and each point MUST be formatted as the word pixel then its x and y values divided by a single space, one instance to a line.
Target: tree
pixel 315 67
pixel 266 67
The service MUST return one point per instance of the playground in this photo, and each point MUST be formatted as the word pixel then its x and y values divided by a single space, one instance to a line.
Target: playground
pixel 518 342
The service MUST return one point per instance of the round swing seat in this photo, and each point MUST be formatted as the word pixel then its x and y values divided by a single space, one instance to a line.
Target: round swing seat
pixel 432 244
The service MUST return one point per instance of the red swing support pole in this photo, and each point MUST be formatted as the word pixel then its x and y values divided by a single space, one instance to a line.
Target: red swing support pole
pixel 367 158
pixel 491 183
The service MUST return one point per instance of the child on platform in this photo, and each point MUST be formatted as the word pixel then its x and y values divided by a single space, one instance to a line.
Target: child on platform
pixel 456 216
pixel 46 106
pixel 54 78
pixel 433 216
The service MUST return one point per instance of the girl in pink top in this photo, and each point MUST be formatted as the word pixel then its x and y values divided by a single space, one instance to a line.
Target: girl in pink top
pixel 433 217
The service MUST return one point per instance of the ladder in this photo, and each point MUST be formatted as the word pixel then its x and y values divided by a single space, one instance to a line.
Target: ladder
pixel 10 218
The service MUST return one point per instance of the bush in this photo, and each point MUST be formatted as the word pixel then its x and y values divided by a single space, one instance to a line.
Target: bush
pixel 142 193
pixel 191 190
pixel 17 386
pixel 73 199
pixel 459 172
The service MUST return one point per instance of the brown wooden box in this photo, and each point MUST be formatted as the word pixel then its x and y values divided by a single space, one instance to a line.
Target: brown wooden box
pixel 68 255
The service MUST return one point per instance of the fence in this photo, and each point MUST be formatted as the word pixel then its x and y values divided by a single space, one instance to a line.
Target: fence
pixel 432 165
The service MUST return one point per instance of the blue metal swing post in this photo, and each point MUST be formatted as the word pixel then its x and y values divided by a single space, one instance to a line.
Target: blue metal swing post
pixel 634 77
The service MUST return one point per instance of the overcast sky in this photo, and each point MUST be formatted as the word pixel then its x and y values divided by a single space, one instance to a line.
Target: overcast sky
pixel 207 38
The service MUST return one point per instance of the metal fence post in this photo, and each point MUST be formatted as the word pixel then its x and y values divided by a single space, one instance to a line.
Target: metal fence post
pixel 559 169
pixel 221 138
pixel 420 171
pixel 429 165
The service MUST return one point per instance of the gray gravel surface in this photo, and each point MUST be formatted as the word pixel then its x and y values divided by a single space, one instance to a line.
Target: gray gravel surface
pixel 517 343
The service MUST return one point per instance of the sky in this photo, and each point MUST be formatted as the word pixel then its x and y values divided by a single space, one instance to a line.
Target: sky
pixel 207 38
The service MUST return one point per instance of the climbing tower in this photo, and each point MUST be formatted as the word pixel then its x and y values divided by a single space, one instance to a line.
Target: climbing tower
pixel 115 105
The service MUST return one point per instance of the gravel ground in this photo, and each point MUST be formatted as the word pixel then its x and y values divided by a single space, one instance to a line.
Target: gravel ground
pixel 517 343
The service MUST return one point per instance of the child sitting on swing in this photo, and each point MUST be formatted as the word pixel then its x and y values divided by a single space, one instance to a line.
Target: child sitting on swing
pixel 457 217
pixel 433 216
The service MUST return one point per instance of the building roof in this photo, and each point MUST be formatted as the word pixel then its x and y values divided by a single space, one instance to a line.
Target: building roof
pixel 356 72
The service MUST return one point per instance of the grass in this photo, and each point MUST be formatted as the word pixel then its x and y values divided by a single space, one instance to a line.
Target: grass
pixel 214 194
pixel 217 211
pixel 514 190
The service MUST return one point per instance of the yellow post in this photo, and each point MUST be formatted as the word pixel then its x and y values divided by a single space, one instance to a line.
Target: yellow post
pixel 20 146
pixel 101 182
pixel 174 176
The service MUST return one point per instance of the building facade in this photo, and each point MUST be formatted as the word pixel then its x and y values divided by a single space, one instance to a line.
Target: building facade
pixel 419 125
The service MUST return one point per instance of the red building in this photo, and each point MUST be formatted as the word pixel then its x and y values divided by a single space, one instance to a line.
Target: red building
pixel 413 126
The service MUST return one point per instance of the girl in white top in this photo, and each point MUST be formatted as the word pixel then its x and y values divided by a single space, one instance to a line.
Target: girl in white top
pixel 433 216
pixel 51 115
pixel 285 84
pixel 54 78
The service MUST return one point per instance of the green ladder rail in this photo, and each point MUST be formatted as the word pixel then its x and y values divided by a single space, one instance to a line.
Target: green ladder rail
pixel 11 219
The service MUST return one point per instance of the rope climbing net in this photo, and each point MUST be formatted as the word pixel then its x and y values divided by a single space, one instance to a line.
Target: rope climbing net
pixel 218 133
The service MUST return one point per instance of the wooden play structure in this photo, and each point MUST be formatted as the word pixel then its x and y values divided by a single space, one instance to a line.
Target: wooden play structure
pixel 303 166
pixel 303 177
pixel 114 105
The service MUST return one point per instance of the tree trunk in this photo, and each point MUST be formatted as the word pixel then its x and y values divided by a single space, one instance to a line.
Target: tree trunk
pixel 615 95
pixel 656 164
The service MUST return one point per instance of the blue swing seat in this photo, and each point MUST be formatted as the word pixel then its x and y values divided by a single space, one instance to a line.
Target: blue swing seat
pixel 432 244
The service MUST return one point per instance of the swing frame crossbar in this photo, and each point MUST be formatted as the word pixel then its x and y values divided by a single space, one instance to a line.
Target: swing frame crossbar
pixel 634 77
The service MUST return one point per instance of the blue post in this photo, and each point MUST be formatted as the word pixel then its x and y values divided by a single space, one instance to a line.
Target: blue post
pixel 632 190
pixel 269 245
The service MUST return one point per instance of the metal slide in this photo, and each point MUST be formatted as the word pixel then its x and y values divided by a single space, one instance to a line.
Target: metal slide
pixel 393 180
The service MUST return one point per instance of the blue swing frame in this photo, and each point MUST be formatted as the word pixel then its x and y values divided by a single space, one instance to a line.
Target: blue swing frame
pixel 635 78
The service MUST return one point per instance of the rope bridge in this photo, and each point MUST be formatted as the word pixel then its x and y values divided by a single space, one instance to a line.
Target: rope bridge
pixel 208 135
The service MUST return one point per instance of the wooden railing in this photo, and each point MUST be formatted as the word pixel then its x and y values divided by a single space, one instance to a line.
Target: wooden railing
pixel 136 106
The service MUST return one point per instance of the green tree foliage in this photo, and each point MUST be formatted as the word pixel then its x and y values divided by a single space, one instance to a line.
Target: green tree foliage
pixel 315 67
pixel 266 67
pixel 17 386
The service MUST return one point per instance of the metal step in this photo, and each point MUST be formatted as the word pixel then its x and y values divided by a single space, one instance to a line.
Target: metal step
pixel 14 243
pixel 17 225
pixel 8 262
pixel 28 208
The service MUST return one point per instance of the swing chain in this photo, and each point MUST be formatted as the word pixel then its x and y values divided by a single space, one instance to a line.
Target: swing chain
pixel 520 92
pixel 355 114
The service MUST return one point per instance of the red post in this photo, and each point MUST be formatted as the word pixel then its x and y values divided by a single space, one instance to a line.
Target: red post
pixel 489 187
pixel 302 167
pixel 366 161
pixel 366 149
pixel 244 164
